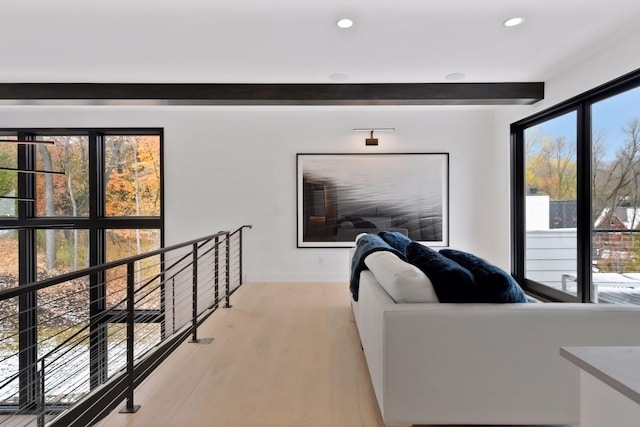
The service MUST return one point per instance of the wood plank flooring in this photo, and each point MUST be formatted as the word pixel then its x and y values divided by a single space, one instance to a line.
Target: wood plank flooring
pixel 283 355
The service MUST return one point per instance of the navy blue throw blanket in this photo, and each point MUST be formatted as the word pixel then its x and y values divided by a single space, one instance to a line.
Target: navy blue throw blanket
pixel 366 245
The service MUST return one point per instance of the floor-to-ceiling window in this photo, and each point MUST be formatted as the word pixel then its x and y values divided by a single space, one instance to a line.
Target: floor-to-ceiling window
pixel 576 197
pixel 550 202
pixel 69 199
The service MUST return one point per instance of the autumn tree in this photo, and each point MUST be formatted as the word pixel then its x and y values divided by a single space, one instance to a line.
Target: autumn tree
pixel 49 206
pixel 551 167
pixel 63 195
pixel 615 182
pixel 132 176
pixel 132 185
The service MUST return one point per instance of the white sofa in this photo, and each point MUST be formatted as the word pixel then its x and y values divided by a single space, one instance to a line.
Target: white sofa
pixel 496 364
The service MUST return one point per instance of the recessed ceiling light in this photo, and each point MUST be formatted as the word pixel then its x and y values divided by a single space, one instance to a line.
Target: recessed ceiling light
pixel 338 77
pixel 512 22
pixel 455 76
pixel 345 23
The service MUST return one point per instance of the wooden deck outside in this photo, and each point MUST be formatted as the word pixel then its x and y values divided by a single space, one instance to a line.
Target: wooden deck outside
pixel 620 296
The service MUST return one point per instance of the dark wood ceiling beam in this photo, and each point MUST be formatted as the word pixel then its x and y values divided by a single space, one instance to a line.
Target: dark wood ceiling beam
pixel 273 94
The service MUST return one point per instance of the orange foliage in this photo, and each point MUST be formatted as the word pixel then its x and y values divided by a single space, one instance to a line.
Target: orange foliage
pixel 133 186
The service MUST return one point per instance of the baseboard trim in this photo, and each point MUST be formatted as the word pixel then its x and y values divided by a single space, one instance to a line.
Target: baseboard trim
pixel 304 278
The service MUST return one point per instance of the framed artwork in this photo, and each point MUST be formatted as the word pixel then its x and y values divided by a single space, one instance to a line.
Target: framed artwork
pixel 342 195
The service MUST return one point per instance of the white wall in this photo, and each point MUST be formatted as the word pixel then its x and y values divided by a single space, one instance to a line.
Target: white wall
pixel 228 166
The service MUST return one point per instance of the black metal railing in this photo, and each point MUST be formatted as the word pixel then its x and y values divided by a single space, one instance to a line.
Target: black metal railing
pixel 91 352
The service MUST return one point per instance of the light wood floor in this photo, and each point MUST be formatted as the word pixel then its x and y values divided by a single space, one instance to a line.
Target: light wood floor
pixel 283 355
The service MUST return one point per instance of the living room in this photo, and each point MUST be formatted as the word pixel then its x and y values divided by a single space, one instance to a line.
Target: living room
pixel 230 165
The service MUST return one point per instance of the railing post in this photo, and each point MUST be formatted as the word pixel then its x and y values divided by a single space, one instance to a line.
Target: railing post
pixel 216 277
pixel 240 256
pixel 228 271
pixel 41 397
pixel 130 407
pixel 173 305
pixel 194 320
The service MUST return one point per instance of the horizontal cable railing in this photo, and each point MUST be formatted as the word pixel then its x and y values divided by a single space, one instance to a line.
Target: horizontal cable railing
pixel 98 332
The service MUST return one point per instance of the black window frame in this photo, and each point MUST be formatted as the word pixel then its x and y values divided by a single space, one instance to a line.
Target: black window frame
pixel 96 223
pixel 581 104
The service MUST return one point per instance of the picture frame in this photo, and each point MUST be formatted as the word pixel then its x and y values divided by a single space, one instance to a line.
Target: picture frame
pixel 342 195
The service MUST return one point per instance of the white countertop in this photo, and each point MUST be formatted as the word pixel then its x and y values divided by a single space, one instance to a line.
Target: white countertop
pixel 619 367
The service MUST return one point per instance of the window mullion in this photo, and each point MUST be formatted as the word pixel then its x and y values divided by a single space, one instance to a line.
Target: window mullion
pixel 97 288
pixel 517 207
pixel 585 220
pixel 27 304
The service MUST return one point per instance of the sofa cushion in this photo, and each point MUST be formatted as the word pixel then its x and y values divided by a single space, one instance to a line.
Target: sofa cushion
pixel 395 239
pixel 404 282
pixel 494 284
pixel 451 281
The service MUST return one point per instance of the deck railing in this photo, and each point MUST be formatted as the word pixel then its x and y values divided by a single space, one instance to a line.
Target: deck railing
pixel 98 332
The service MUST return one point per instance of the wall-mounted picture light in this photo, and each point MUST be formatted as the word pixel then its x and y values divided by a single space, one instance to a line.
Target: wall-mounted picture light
pixel 371 140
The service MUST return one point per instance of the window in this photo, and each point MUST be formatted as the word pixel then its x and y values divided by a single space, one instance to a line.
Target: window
pixel 105 205
pixel 64 195
pixel 550 200
pixel 131 172
pixel 576 193
pixel 615 195
pixel 8 179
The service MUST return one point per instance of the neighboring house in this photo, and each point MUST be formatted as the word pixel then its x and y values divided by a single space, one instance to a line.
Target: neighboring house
pixel 618 219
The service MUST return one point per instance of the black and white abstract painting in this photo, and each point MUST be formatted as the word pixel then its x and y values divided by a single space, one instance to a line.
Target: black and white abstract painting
pixel 343 195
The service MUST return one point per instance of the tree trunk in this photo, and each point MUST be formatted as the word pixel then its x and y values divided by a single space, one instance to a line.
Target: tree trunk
pixel 74 204
pixel 50 235
pixel 135 166
pixel 114 161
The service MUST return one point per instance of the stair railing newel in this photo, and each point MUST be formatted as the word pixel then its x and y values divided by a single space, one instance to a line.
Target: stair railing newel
pixel 194 296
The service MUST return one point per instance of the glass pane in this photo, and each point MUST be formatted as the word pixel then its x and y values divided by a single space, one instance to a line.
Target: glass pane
pixel 132 175
pixel 61 251
pixel 63 339
pixel 9 351
pixel 145 335
pixel 63 195
pixel 551 190
pixel 9 265
pixel 8 179
pixel 615 200
pixel 125 243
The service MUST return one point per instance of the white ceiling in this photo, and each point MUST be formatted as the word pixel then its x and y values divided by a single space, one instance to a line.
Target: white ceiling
pixel 297 41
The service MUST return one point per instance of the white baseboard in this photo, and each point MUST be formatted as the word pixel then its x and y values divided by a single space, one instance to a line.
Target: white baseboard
pixel 304 278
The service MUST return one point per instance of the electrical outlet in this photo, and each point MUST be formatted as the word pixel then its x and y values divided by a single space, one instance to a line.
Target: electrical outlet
pixel 321 260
